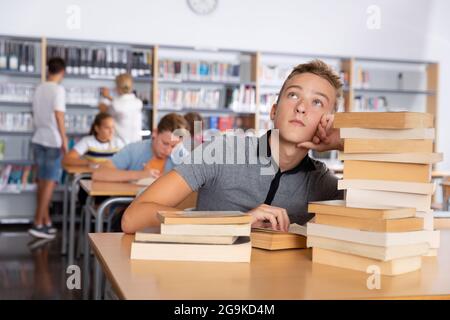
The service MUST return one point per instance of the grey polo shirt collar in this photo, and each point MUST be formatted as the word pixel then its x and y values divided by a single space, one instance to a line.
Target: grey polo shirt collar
pixel 305 165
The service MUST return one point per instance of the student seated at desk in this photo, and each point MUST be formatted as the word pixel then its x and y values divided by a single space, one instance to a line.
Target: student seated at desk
pixel 195 122
pixel 147 158
pixel 275 178
pixel 99 146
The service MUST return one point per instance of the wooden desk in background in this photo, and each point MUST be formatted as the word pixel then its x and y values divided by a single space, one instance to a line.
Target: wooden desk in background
pixel 118 193
pixel 74 175
pixel 286 274
pixel 445 194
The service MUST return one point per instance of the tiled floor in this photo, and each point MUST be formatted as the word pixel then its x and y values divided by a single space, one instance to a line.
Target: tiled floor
pixel 31 269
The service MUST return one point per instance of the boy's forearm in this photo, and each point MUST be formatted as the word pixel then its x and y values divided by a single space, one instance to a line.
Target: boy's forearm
pixel 116 175
pixel 140 215
pixel 60 124
pixel 75 162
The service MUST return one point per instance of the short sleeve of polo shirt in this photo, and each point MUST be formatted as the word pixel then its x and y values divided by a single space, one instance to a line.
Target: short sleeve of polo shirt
pixel 196 171
pixel 122 160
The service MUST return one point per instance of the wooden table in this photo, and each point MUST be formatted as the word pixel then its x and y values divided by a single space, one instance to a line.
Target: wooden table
pixel 74 175
pixel 287 274
pixel 445 194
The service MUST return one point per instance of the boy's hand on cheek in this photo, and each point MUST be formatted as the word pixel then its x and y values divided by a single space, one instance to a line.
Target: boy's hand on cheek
pixel 326 137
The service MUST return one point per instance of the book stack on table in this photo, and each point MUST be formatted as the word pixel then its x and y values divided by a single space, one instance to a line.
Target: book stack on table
pixel 386 219
pixel 196 236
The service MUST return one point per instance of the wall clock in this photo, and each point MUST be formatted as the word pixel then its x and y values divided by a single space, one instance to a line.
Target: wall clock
pixel 202 7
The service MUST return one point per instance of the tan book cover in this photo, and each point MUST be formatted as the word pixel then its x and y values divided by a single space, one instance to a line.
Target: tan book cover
pixel 204 217
pixel 375 225
pixel 270 239
pixel 340 208
pixel 412 157
pixel 348 261
pixel 371 170
pixel 240 251
pixel 383 120
pixel 154 235
pixel 387 146
pixel 368 251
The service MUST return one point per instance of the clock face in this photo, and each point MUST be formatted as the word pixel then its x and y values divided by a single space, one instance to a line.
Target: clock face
pixel 202 7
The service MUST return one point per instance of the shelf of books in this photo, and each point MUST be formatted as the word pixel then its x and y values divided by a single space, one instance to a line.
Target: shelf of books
pixel 390 85
pixel 220 85
pixel 229 88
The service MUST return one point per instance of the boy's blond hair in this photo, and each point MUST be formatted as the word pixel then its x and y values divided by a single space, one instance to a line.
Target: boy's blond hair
pixel 124 83
pixel 321 69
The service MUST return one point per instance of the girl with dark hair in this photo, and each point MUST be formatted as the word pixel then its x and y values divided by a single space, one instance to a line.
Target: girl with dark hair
pixel 100 145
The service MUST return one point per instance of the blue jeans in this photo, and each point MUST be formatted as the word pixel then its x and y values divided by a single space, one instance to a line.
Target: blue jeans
pixel 48 161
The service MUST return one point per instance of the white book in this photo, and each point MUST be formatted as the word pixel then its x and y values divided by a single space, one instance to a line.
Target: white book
pixel 240 251
pixel 428 219
pixel 145 181
pixel 369 251
pixel 395 134
pixel 385 185
pixel 359 197
pixel 207 229
pixel 432 253
pixel 382 239
pixel 423 158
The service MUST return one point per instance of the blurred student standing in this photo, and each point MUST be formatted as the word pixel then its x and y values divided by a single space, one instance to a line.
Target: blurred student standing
pixel 126 109
pixel 49 143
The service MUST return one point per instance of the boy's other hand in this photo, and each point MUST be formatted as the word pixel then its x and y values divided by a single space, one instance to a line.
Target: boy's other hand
pixel 326 137
pixel 105 93
pixel 65 146
pixel 277 218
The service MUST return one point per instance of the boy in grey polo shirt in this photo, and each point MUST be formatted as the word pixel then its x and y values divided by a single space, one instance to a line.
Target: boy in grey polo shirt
pixel 271 177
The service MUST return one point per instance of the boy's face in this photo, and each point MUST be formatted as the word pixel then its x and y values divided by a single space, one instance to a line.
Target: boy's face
pixel 163 143
pixel 305 98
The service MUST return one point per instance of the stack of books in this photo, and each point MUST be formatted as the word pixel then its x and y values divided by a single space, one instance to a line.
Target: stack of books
pixel 196 236
pixel 386 218
pixel 270 239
